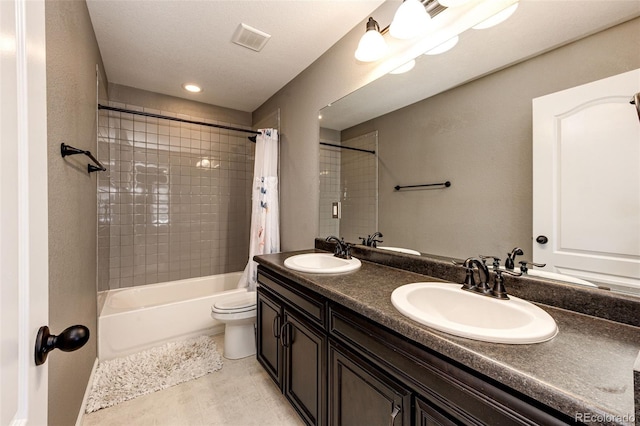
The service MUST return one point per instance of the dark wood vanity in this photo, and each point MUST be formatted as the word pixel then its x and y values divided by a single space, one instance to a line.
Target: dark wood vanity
pixel 339 360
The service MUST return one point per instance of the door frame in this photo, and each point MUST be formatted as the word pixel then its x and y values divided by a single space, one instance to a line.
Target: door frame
pixel 24 293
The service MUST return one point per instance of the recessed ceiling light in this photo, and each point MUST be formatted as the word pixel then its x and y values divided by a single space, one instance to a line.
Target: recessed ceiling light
pixel 189 87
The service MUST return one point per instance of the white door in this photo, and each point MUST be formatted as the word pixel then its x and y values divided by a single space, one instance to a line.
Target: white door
pixel 586 181
pixel 23 211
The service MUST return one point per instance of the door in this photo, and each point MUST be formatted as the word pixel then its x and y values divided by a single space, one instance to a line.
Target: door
pixel 23 211
pixel 304 368
pixel 269 323
pixel 361 397
pixel 586 182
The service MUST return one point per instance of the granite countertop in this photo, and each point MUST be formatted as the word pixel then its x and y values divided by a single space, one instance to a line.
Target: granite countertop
pixel 587 368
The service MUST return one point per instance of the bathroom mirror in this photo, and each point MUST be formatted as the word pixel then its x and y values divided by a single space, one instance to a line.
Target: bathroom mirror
pixel 465 117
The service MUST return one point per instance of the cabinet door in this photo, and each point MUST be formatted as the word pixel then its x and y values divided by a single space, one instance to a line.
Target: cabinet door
pixel 360 395
pixel 269 323
pixel 304 368
pixel 428 415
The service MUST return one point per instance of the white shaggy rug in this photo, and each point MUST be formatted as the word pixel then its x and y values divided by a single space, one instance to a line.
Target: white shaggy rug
pixel 122 379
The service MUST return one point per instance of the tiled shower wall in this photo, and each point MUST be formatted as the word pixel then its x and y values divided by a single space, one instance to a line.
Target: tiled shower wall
pixel 179 197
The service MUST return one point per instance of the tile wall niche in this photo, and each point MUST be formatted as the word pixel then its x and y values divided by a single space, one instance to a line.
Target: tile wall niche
pixel 179 197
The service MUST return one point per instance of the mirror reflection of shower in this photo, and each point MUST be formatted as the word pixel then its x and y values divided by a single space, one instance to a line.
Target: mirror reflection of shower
pixel 348 185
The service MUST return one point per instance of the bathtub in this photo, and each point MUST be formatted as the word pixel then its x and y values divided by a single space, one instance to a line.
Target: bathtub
pixel 137 318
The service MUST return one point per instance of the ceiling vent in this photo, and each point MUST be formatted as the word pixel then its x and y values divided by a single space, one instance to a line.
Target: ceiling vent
pixel 250 38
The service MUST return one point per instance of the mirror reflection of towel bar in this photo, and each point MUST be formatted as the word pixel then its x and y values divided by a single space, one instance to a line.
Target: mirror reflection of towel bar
pixel 635 100
pixel 445 184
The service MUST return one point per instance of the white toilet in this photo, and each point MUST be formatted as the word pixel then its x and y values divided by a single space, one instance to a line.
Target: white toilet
pixel 238 311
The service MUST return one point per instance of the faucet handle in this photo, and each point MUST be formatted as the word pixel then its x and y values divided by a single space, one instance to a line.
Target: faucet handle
pixel 469 281
pixel 496 261
pixel 499 291
pixel 525 263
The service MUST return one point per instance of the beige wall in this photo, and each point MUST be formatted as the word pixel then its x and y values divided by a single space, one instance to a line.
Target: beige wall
pixel 72 55
pixel 496 134
pixel 479 136
pixel 332 76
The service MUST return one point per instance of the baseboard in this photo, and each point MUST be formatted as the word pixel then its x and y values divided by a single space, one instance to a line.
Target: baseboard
pixel 87 392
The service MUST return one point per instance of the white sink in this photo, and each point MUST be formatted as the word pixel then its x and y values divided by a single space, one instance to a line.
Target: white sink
pixel 446 307
pixel 321 263
pixel 400 250
pixel 554 276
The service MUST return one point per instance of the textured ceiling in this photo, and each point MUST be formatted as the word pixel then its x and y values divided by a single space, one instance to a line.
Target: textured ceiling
pixel 159 45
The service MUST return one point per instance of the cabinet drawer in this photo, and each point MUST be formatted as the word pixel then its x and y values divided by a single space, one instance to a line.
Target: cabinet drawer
pixel 310 305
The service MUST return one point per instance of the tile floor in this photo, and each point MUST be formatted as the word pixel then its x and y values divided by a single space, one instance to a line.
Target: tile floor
pixel 240 394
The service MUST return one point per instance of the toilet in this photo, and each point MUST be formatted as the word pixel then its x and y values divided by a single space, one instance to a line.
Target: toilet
pixel 237 310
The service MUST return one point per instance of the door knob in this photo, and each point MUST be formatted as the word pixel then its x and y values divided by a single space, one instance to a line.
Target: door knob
pixel 71 339
pixel 542 239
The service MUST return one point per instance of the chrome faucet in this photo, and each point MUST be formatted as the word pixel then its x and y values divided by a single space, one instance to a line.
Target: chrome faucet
pixel 370 240
pixel 511 258
pixel 343 249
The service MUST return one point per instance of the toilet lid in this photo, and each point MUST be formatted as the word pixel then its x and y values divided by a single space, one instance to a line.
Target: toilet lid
pixel 239 302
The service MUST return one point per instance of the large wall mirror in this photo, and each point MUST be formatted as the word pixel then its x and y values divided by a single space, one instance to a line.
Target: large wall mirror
pixel 465 116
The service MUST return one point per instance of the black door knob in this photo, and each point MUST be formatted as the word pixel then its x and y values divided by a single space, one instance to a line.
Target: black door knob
pixel 542 239
pixel 71 339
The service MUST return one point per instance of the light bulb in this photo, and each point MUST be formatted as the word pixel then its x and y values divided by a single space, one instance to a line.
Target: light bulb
pixel 189 87
pixel 497 18
pixel 372 45
pixel 410 19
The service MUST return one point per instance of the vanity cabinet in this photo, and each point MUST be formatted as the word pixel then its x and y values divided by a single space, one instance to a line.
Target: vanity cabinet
pixel 338 367
pixel 361 395
pixel 292 346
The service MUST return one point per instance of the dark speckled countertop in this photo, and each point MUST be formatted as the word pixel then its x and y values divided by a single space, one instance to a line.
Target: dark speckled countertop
pixel 587 368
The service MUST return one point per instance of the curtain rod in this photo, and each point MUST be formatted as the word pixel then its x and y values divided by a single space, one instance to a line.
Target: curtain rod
pixel 348 147
pixel 182 120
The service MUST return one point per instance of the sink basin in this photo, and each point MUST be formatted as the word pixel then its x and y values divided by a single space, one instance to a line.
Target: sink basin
pixel 400 250
pixel 555 276
pixel 446 307
pixel 321 263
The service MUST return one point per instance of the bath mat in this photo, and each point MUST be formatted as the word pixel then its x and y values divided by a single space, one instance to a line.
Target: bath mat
pixel 125 378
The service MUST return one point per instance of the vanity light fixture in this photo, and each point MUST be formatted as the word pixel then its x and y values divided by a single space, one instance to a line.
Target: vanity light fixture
pixel 190 87
pixel 452 3
pixel 444 47
pixel 460 16
pixel 410 19
pixel 404 68
pixel 372 45
pixel 497 18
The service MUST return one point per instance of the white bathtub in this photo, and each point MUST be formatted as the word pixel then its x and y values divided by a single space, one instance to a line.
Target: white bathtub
pixel 137 318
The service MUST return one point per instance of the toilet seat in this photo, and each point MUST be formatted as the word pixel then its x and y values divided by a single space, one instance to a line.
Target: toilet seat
pixel 235 303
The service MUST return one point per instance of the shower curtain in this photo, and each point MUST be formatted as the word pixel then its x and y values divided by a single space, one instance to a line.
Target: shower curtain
pixel 264 237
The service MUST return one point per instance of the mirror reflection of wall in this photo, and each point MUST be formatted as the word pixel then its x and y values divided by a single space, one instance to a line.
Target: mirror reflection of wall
pixel 479 136
pixel 348 185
